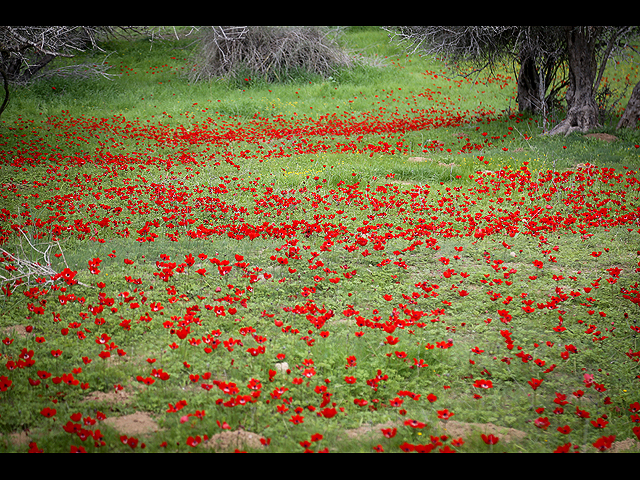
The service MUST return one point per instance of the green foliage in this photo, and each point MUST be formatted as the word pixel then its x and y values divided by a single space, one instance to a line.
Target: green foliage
pixel 149 146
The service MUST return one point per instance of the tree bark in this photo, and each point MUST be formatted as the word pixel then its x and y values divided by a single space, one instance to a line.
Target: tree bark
pixel 582 111
pixel 6 91
pixel 529 87
pixel 632 112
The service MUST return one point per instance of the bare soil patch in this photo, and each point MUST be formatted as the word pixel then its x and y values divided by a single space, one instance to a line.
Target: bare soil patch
pixel 451 428
pixel 605 137
pixel 460 429
pixel 229 441
pixel 19 330
pixel 628 445
pixel 427 159
pixel 138 423
pixel 109 398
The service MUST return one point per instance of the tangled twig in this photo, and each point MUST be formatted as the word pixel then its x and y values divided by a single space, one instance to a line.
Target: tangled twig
pixel 271 52
pixel 21 269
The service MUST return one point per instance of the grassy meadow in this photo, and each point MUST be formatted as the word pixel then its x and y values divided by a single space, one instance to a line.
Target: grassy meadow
pixel 392 259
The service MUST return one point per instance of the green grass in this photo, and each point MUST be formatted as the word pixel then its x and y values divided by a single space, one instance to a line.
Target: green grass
pixel 117 148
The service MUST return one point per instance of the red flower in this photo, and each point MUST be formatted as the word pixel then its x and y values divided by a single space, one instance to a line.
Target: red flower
pixel 604 443
pixel 535 383
pixel 350 380
pixel 407 447
pixel 194 442
pixel 582 413
pixel 48 412
pixel 328 412
pixel 131 441
pixel 563 448
pixel 389 432
pixel 566 429
pixel 390 340
pixel 297 419
pixel 223 425
pixel 542 422
pixel 490 439
pixel 599 423
pixel 482 383
pixel 426 448
pixel 457 442
pixel 445 414
pixel 414 424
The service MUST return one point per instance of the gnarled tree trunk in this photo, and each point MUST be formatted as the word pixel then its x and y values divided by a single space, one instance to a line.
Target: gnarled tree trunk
pixel 632 112
pixel 529 87
pixel 582 111
pixel 6 91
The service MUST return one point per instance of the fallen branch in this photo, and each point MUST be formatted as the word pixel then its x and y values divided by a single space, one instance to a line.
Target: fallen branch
pixel 21 269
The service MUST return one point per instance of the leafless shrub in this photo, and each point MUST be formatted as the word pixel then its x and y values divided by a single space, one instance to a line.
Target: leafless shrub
pixel 26 50
pixel 273 53
pixel 79 70
pixel 29 262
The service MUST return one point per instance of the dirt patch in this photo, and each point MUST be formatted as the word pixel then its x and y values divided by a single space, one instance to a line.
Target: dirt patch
pixel 400 182
pixel 370 430
pixel 460 429
pixel 109 398
pixel 451 428
pixel 605 137
pixel 19 330
pixel 227 441
pixel 427 159
pixel 625 446
pixel 17 439
pixel 138 423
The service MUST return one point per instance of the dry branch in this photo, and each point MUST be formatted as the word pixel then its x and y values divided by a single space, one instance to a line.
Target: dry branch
pixel 273 53
pixel 21 269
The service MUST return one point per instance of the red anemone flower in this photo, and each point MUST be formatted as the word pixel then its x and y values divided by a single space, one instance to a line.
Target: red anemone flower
pixel 490 439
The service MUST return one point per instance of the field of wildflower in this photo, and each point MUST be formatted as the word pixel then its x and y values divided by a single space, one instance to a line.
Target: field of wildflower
pixel 389 260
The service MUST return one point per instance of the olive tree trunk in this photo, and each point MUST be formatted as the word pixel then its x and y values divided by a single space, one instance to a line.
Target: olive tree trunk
pixel 5 81
pixel 582 110
pixel 632 112
pixel 529 87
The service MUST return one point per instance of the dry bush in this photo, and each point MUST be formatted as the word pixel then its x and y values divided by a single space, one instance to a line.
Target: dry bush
pixel 272 53
pixel 29 263
pixel 26 50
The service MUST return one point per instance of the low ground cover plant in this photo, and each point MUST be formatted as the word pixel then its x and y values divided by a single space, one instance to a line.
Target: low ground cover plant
pixel 394 266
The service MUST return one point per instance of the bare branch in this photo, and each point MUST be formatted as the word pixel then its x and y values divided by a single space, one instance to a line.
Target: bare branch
pixel 271 52
pixel 22 269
